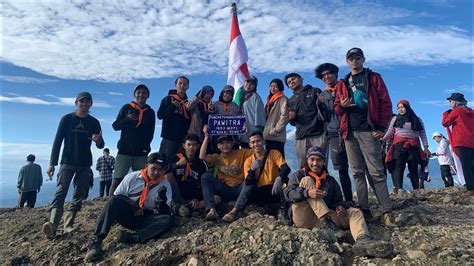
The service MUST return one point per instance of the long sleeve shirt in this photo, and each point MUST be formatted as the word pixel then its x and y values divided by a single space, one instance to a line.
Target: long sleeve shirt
pixel 406 132
pixel 105 166
pixel 30 178
pixel 444 154
pixel 254 112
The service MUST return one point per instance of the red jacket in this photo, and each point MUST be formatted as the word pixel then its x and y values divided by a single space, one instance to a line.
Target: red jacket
pixel 379 103
pixel 461 119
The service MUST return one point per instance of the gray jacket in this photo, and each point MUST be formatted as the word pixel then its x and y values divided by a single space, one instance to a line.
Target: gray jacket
pixel 30 178
pixel 333 120
pixel 254 112
pixel 275 127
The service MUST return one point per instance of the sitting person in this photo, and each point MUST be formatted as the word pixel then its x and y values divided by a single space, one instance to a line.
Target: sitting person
pixel 316 200
pixel 266 171
pixel 141 202
pixel 187 169
pixel 227 178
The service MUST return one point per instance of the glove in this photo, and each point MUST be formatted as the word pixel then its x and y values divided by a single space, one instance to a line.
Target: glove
pixel 277 186
pixel 257 164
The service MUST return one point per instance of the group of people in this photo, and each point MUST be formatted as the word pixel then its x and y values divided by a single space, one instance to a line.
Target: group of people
pixel 350 120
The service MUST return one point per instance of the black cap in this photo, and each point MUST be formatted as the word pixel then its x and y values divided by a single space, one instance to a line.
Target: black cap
pixel 224 137
pixel 326 66
pixel 157 158
pixel 356 51
pixel 252 79
pixel 228 88
pixel 141 86
pixel 456 96
pixel 82 95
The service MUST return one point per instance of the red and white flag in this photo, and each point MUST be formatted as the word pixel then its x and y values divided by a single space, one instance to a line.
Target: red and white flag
pixel 238 56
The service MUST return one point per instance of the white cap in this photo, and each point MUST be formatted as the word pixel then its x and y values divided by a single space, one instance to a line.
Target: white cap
pixel 437 134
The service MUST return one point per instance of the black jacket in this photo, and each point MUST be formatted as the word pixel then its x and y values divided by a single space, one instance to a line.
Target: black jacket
pixel 134 141
pixel 175 123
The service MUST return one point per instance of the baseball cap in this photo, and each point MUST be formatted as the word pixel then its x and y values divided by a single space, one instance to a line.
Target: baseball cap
pixel 456 96
pixel 356 51
pixel 82 95
pixel 437 134
pixel 224 137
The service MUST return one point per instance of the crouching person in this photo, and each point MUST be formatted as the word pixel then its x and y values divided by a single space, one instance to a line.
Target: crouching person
pixel 266 172
pixel 316 201
pixel 141 202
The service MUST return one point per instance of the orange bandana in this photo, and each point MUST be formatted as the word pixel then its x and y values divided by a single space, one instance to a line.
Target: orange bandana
pixel 182 103
pixel 317 179
pixel 271 99
pixel 329 88
pixel 134 105
pixel 224 105
pixel 187 172
pixel 148 183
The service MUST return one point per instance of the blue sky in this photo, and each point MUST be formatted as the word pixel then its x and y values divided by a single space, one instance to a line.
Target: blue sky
pixel 51 50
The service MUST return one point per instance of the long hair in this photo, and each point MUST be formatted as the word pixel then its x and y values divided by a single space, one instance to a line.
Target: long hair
pixel 409 116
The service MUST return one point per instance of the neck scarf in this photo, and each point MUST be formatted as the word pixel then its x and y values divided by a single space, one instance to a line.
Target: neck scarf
pixel 271 100
pixel 182 103
pixel 317 179
pixel 329 88
pixel 148 183
pixel 224 104
pixel 187 171
pixel 135 105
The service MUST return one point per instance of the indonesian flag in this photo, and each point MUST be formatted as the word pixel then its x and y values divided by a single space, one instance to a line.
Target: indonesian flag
pixel 238 56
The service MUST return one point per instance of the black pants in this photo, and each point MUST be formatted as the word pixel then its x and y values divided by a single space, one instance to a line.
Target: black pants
pixel 260 195
pixel 400 163
pixel 104 187
pixel 446 175
pixel 28 197
pixel 466 156
pixel 346 185
pixel 275 145
pixel 121 209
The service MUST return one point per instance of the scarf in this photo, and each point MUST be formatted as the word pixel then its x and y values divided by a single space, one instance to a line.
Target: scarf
pixel 182 103
pixel 317 179
pixel 329 88
pixel 224 104
pixel 187 171
pixel 148 183
pixel 271 100
pixel 135 106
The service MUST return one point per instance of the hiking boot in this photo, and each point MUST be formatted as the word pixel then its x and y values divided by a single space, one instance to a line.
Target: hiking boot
pixel 365 246
pixel 283 217
pixel 94 253
pixel 367 214
pixel 184 211
pixel 128 238
pixel 327 223
pixel 229 217
pixel 69 218
pixel 388 219
pixel 212 215
pixel 49 228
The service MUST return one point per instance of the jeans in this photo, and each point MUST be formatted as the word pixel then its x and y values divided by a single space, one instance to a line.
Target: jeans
pixel 28 197
pixel 104 187
pixel 211 185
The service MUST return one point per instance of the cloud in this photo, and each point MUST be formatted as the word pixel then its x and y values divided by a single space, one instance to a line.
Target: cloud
pixel 115 93
pixel 130 40
pixel 444 103
pixel 21 79
pixel 66 101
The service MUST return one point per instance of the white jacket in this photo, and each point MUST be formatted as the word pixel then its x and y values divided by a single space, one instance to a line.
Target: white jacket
pixel 444 153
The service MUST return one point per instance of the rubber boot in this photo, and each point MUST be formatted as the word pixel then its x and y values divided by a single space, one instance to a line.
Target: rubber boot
pixel 49 228
pixel 69 218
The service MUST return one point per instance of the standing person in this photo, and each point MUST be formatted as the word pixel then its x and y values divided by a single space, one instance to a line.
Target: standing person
pixel 174 111
pixel 459 122
pixel 105 165
pixel 224 106
pixel 226 181
pixel 200 111
pixel 141 203
pixel 187 169
pixel 251 105
pixel 308 114
pixel 364 105
pixel 445 159
pixel 136 123
pixel 404 133
pixel 328 73
pixel 30 180
pixel 265 173
pixel 77 130
pixel 276 111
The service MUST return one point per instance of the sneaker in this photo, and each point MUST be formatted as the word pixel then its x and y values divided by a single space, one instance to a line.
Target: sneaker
pixel 367 214
pixel 229 217
pixel 388 219
pixel 327 223
pixel 128 238
pixel 212 215
pixel 48 230
pixel 95 252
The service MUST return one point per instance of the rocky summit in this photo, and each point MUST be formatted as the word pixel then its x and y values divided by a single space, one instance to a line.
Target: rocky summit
pixel 432 227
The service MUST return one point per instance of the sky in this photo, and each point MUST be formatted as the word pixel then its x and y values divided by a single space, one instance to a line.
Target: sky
pixel 51 50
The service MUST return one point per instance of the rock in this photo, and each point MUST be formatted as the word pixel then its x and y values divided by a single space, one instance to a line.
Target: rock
pixel 406 219
pixel 194 262
pixel 25 244
pixel 416 255
pixel 373 248
pixel 427 247
pixel 448 198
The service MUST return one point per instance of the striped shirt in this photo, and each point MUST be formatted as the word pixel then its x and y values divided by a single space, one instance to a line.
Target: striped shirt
pixel 105 166
pixel 406 132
